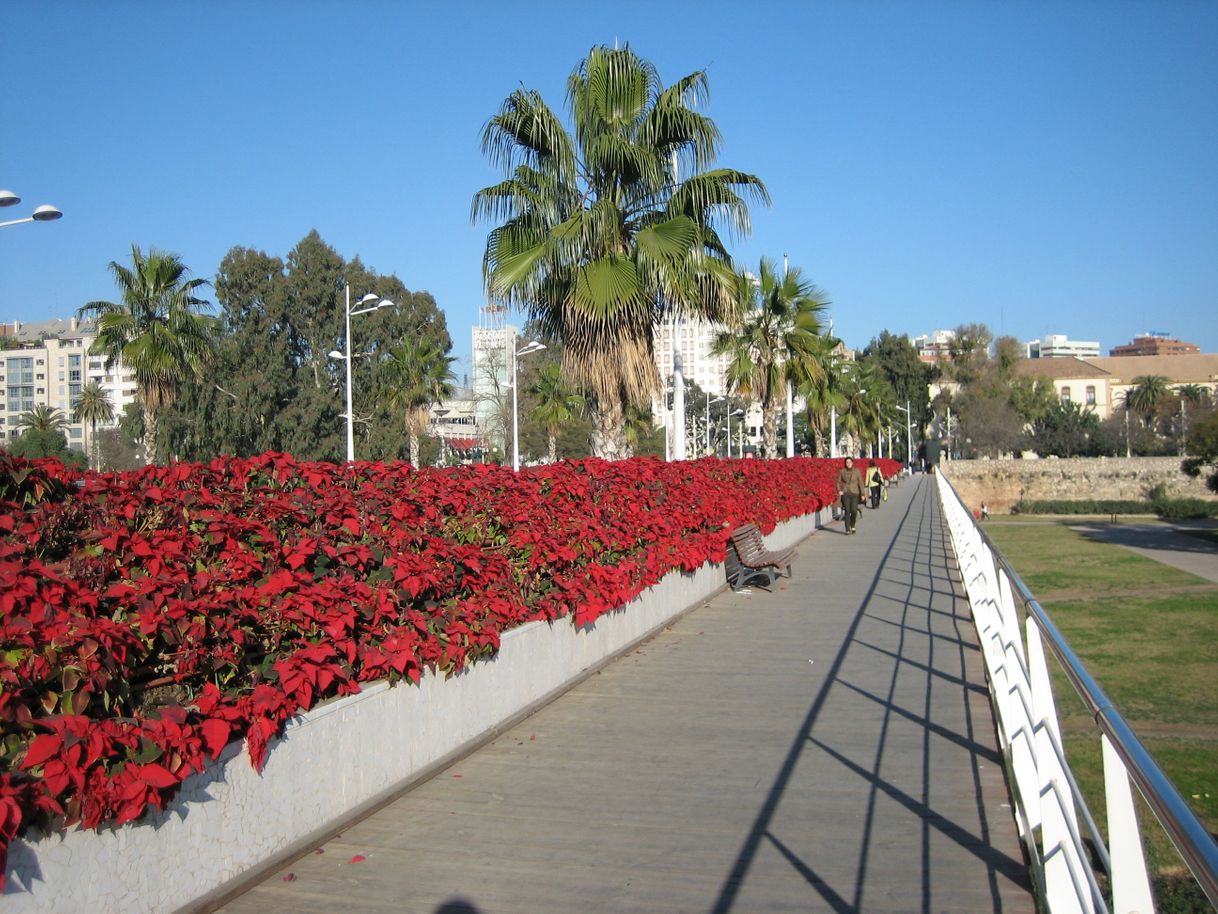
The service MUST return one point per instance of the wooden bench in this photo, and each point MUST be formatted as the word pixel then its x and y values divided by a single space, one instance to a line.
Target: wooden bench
pixel 748 559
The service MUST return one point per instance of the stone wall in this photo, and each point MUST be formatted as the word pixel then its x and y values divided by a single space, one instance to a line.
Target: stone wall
pixel 1002 483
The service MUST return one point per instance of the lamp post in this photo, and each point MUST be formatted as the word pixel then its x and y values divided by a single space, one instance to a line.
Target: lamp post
pixel 908 434
pixel 732 412
pixel 534 346
pixel 44 213
pixel 368 303
pixel 709 401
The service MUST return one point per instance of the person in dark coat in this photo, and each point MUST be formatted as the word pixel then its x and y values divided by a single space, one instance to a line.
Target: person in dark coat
pixel 850 490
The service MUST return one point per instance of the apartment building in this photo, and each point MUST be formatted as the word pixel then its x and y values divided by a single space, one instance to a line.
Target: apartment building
pixel 47 363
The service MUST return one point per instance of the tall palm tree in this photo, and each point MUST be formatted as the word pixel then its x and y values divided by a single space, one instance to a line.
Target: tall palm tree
pixel 157 329
pixel 776 341
pixel 557 403
pixel 42 418
pixel 92 406
pixel 607 231
pixel 1149 391
pixel 422 376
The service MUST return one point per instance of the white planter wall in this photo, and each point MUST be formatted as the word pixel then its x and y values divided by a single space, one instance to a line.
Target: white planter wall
pixel 332 763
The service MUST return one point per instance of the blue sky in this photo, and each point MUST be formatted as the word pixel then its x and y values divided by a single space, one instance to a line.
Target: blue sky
pixel 1043 167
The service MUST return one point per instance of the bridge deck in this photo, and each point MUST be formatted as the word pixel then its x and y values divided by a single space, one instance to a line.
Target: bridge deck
pixel 827 747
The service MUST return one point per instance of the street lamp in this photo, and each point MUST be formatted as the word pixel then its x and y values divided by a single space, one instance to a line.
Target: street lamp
pixel 908 434
pixel 44 213
pixel 730 413
pixel 534 346
pixel 368 303
pixel 709 401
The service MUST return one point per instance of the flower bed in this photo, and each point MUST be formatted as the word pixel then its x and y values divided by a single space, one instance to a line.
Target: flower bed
pixel 149 619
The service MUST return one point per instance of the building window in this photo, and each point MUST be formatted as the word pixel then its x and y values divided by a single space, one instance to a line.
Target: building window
pixel 1090 395
pixel 1065 394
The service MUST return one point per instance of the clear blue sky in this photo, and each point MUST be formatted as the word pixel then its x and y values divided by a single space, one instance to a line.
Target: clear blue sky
pixel 1043 167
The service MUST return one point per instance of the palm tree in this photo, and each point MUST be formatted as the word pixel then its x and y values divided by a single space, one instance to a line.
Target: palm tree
pixel 599 238
pixel 421 374
pixel 42 418
pixel 92 406
pixel 1194 394
pixel 776 342
pixel 1149 391
pixel 557 403
pixel 824 393
pixel 156 329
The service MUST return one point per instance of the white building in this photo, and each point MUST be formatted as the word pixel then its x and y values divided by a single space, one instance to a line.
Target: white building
pixel 935 346
pixel 1057 346
pixel 47 363
pixel 491 369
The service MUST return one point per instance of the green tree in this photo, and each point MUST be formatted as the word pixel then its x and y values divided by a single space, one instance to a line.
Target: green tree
pixel 775 343
pixel 157 329
pixel 556 404
pixel 969 349
pixel 1065 430
pixel 421 376
pixel 92 406
pixel 605 231
pixel 284 316
pixel 42 418
pixel 45 442
pixel 907 375
pixel 1203 444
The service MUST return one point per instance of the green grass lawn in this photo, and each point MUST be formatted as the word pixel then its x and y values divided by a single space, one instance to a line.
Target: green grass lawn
pixel 1148 633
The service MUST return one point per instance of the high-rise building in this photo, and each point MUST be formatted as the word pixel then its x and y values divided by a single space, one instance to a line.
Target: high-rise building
pixel 46 364
pixel 698 364
pixel 491 367
pixel 1057 346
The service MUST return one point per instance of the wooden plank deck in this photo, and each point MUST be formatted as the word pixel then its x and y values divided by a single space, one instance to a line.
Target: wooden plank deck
pixel 827 747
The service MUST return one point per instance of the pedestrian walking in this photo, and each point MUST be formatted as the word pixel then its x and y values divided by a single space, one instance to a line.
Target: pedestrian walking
pixel 850 490
pixel 875 483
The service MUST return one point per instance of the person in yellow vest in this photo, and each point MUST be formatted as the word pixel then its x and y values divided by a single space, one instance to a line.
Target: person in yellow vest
pixel 875 482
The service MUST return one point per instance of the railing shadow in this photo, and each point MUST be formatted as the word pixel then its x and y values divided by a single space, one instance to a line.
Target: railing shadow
pixel 918 553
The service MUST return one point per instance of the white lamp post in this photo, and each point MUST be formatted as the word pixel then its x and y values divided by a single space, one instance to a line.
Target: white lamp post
pixel 534 346
pixel 44 213
pixel 909 456
pixel 709 401
pixel 730 413
pixel 369 302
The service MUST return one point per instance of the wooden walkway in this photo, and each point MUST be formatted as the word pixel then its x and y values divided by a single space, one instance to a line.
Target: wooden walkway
pixel 827 747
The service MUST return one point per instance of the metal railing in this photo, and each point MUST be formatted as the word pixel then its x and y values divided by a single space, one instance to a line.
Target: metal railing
pixel 1048 804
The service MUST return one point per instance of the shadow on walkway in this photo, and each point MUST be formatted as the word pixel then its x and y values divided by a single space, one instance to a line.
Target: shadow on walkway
pixel 827 747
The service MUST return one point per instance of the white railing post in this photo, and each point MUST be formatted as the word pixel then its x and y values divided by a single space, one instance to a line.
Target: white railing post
pixel 1130 882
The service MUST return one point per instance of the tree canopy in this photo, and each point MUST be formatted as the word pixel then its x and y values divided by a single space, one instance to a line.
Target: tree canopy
pixel 273 386
pixel 609 227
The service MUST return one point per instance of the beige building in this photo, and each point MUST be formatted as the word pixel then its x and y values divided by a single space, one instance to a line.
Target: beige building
pixel 47 363
pixel 1100 384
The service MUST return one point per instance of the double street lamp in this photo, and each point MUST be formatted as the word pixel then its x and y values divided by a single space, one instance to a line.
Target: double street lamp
pixel 44 213
pixel 365 305
pixel 530 348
